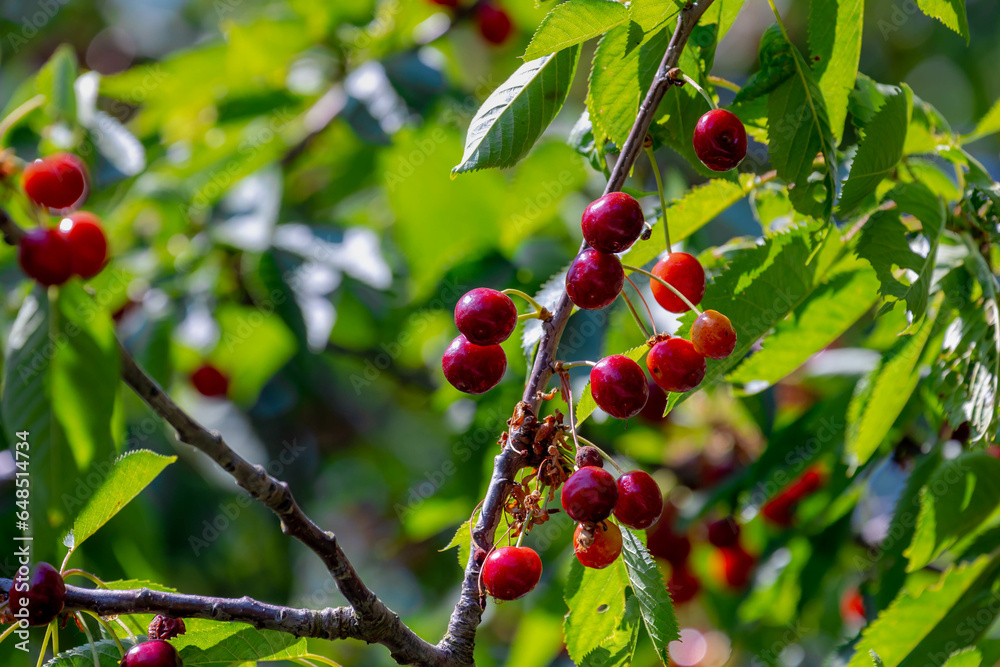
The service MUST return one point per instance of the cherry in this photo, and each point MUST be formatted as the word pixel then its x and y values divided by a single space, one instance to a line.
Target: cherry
pixel 485 316
pixel 852 607
pixel 87 242
pixel 640 501
pixel 713 335
pixel 589 456
pixel 594 279
pixel 724 532
pixel 155 653
pixel 737 565
pixel 676 365
pixel 686 274
pixel 494 23
pixel 618 386
pixel 664 542
pixel 720 140
pixel 683 585
pixel 590 494
pixel 780 510
pixel 58 181
pixel 474 369
pixel 511 572
pixel 600 548
pixel 45 255
pixel 810 482
pixel 210 381
pixel 164 627
pixel 44 598
pixel 655 405
pixel 612 223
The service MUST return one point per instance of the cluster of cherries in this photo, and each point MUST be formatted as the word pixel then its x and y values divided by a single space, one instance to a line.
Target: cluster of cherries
pixel 492 20
pixel 77 246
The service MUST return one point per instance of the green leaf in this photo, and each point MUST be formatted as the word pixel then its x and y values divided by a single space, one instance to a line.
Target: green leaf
pixel 596 600
pixel 777 65
pixel 957 503
pixel 880 150
pixel 654 601
pixel 515 114
pixel 876 660
pixel 835 28
pixel 988 124
pixel 108 654
pixel 949 12
pixel 824 316
pixel 55 80
pixel 463 540
pixel 232 644
pixel 586 405
pixel 132 473
pixel 967 658
pixel 880 396
pixel 574 22
pixel 651 14
pixel 932 621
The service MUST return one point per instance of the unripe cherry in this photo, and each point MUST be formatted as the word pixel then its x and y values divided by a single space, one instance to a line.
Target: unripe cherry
pixel 589 494
pixel 604 548
pixel 618 386
pixel 511 572
pixel 713 335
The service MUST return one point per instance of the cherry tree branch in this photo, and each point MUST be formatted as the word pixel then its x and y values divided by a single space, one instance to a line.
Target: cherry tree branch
pixel 460 639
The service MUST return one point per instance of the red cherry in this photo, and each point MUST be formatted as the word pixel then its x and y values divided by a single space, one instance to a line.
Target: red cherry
pixel 618 386
pixel 713 335
pixel 155 653
pixel 210 381
pixel 511 572
pixel 87 242
pixel 58 181
pixel 485 316
pixel 612 223
pixel 494 23
pixel 737 565
pixel 664 542
pixel 810 482
pixel 44 598
pixel 683 585
pixel 720 140
pixel 589 494
pixel 780 510
pixel 640 501
pixel 605 548
pixel 474 369
pixel 594 279
pixel 724 532
pixel 676 365
pixel 655 405
pixel 686 274
pixel 45 255
pixel 589 456
pixel 852 606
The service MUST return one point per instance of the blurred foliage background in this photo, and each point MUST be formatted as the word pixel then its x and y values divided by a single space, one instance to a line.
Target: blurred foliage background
pixel 317 263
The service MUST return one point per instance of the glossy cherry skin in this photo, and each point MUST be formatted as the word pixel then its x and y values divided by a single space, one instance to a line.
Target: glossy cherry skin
pixel 589 456
pixel 724 532
pixel 590 494
pixel 485 316
pixel 720 140
pixel 737 566
pixel 675 365
pixel 474 369
pixel 685 273
pixel 594 279
pixel 683 585
pixel 713 335
pixel 618 386
pixel 494 23
pixel 45 255
pixel 511 572
pixel 210 381
pixel 87 242
pixel 44 599
pixel 605 548
pixel 640 501
pixel 612 223
pixel 58 181
pixel 655 404
pixel 155 653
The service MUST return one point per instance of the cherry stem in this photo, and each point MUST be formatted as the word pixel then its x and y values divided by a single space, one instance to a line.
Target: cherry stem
pixel 108 629
pixel 20 112
pixel 566 365
pixel 603 453
pixel 45 645
pixel 62 568
pixel 322 659
pixel 694 84
pixel 90 640
pixel 539 309
pixel 663 282
pixel 568 395
pixel 659 191
pixel 724 83
pixel 7 632
pixel 84 574
pixel 649 312
pixel 532 316
pixel 635 314
pixel 520 538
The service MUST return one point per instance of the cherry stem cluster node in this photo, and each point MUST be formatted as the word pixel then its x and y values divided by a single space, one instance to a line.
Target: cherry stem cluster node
pixel 659 191
pixel 663 282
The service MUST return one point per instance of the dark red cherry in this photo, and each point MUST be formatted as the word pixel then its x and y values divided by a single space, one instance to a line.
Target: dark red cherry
pixel 44 598
pixel 594 279
pixel 474 369
pixel 45 255
pixel 713 335
pixel 724 532
pixel 590 494
pixel 686 274
pixel 612 223
pixel 604 547
pixel 720 140
pixel 666 543
pixel 445 3
pixel 494 23
pixel 618 386
pixel 58 181
pixel 640 501
pixel 87 242
pixel 589 456
pixel 780 510
pixel 683 585
pixel 210 381
pixel 511 572
pixel 165 627
pixel 155 653
pixel 485 316
pixel 676 365
pixel 737 566
pixel 655 404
